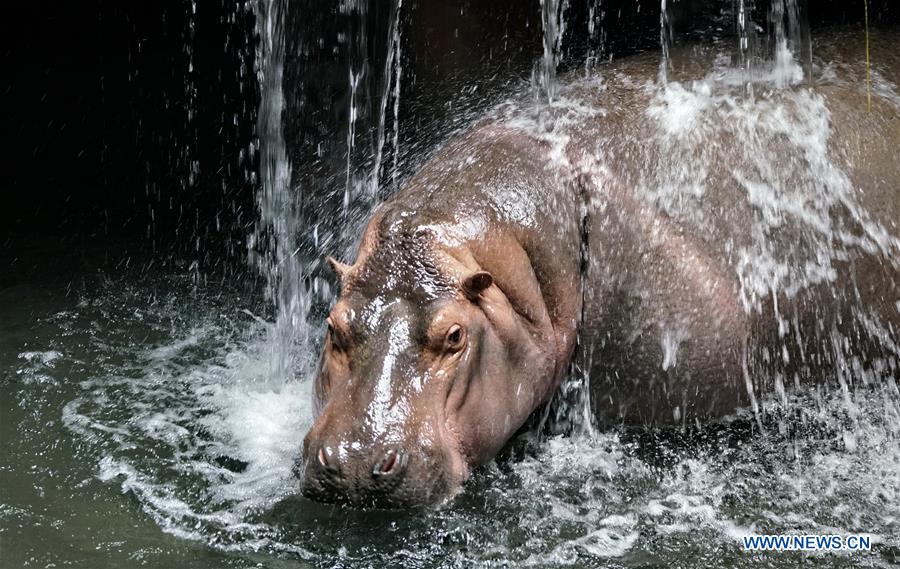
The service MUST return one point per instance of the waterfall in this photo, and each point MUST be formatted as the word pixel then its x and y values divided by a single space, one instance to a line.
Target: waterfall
pixel 554 27
pixel 782 56
pixel 665 40
pixel 274 242
pixel 744 30
pixel 594 53
pixel 790 36
pixel 370 133
pixel 392 67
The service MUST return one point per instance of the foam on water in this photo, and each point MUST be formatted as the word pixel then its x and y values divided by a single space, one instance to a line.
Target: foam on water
pixel 36 366
pixel 194 429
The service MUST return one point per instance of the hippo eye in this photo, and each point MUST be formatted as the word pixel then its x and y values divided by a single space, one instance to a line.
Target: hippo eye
pixel 455 337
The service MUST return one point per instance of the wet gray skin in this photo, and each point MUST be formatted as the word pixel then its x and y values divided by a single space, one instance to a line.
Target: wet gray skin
pixel 458 318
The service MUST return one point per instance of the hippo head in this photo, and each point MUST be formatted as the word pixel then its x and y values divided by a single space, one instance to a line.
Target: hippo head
pixel 425 372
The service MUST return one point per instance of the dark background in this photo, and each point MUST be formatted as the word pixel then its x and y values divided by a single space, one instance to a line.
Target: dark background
pixel 128 126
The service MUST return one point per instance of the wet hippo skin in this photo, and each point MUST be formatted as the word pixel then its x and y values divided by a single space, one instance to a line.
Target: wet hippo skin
pixel 692 249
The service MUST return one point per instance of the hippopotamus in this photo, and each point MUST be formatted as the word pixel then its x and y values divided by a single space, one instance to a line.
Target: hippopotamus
pixel 686 248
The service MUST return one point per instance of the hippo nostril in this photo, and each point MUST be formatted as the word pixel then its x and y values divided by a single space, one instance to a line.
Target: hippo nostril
pixel 393 462
pixel 389 463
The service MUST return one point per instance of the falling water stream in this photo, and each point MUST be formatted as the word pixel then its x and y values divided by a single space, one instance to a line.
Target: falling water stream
pixel 151 421
pixel 554 28
pixel 273 245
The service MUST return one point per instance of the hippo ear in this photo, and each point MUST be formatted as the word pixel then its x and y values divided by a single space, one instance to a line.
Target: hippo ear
pixel 339 268
pixel 476 283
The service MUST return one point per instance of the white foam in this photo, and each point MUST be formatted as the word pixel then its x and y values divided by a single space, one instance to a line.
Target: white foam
pixel 43 358
pixel 202 411
pixel 264 428
pixel 38 364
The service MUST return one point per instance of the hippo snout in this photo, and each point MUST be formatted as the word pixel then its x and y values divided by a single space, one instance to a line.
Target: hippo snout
pixel 372 476
pixel 367 479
